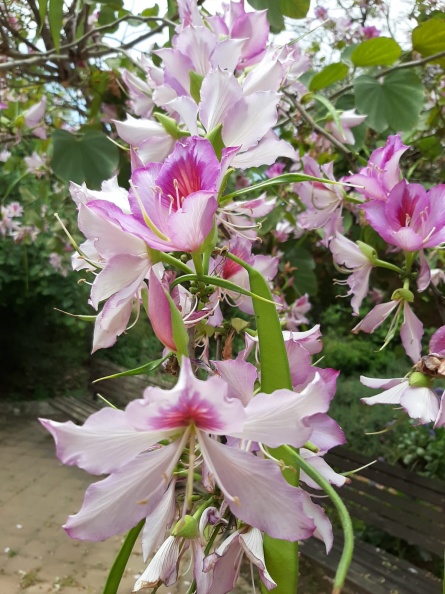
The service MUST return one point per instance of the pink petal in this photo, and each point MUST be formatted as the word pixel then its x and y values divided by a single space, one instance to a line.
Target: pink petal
pixel 241 476
pixel 375 317
pixel 323 527
pixel 326 433
pixel 103 444
pixel 112 321
pixel 440 420
pixel 378 383
pixel 219 91
pixel 240 377
pixel 322 467
pixel 411 333
pixel 157 522
pixel 117 503
pixel 252 543
pixel 123 273
pixel 249 119
pixel 204 403
pixel 390 396
pixel 437 342
pixel 162 568
pixel 190 226
pixel 265 152
pixel 420 403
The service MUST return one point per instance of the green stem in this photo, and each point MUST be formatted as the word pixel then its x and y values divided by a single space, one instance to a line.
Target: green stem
pixel 388 265
pixel 169 259
pixel 118 568
pixel 197 261
pixel 348 546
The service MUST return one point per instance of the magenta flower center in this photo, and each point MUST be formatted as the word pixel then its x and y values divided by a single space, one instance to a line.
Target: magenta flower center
pixel 191 409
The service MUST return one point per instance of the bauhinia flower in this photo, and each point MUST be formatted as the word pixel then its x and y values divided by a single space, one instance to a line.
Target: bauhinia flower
pixel 382 172
pixel 348 119
pixel 34 118
pixel 410 218
pixel 413 393
pixel 127 445
pixel 411 330
pixel 356 258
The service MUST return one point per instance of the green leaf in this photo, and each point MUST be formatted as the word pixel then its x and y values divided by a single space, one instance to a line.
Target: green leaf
pixel 346 54
pixel 180 336
pixel 43 7
pixel 89 158
pixel 379 51
pixel 55 17
pixel 170 125
pixel 281 555
pixel 429 38
pixel 294 9
pixel 396 102
pixel 287 178
pixel 143 369
pixel 305 280
pixel 118 568
pixel 215 137
pixel 328 76
pixel 195 85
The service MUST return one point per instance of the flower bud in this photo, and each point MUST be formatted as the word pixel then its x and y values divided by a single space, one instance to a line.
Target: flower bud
pixel 404 294
pixel 368 251
pixel 186 527
pixel 419 380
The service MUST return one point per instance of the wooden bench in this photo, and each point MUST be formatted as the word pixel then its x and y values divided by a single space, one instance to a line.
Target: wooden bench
pixel 399 503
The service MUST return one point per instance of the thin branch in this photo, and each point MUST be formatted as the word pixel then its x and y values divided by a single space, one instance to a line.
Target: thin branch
pixel 310 120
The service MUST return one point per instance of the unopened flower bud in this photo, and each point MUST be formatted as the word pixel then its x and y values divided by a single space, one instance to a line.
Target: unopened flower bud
pixel 186 527
pixel 368 251
pixel 404 294
pixel 419 380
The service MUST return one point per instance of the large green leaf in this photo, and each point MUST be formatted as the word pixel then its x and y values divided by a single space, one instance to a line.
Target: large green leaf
pixel 328 76
pixel 89 158
pixel 294 9
pixel 305 280
pixel 380 51
pixel 55 17
pixel 429 38
pixel 394 103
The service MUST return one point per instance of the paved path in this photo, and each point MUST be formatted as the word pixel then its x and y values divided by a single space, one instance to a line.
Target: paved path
pixel 37 493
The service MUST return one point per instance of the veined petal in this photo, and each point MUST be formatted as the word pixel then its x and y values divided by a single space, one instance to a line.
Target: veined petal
pixel 375 317
pixel 326 433
pixel 390 396
pixel 440 419
pixel 123 272
pixel 437 342
pixel 203 403
pixel 126 496
pixel 252 543
pixel 322 467
pixel 240 377
pixel 189 227
pixel 249 119
pixel 241 476
pixel 136 131
pixel 157 522
pixel 162 568
pixel 420 403
pixel 188 111
pixel 112 321
pixel 283 417
pixel 323 527
pixel 411 333
pixel 219 91
pixel 377 383
pixel 103 444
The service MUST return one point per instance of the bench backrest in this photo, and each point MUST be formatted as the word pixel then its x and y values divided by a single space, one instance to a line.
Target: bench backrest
pixel 393 499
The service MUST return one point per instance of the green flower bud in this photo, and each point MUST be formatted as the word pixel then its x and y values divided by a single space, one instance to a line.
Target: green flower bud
pixel 368 251
pixel 19 121
pixel 187 527
pixel 404 294
pixel 419 380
